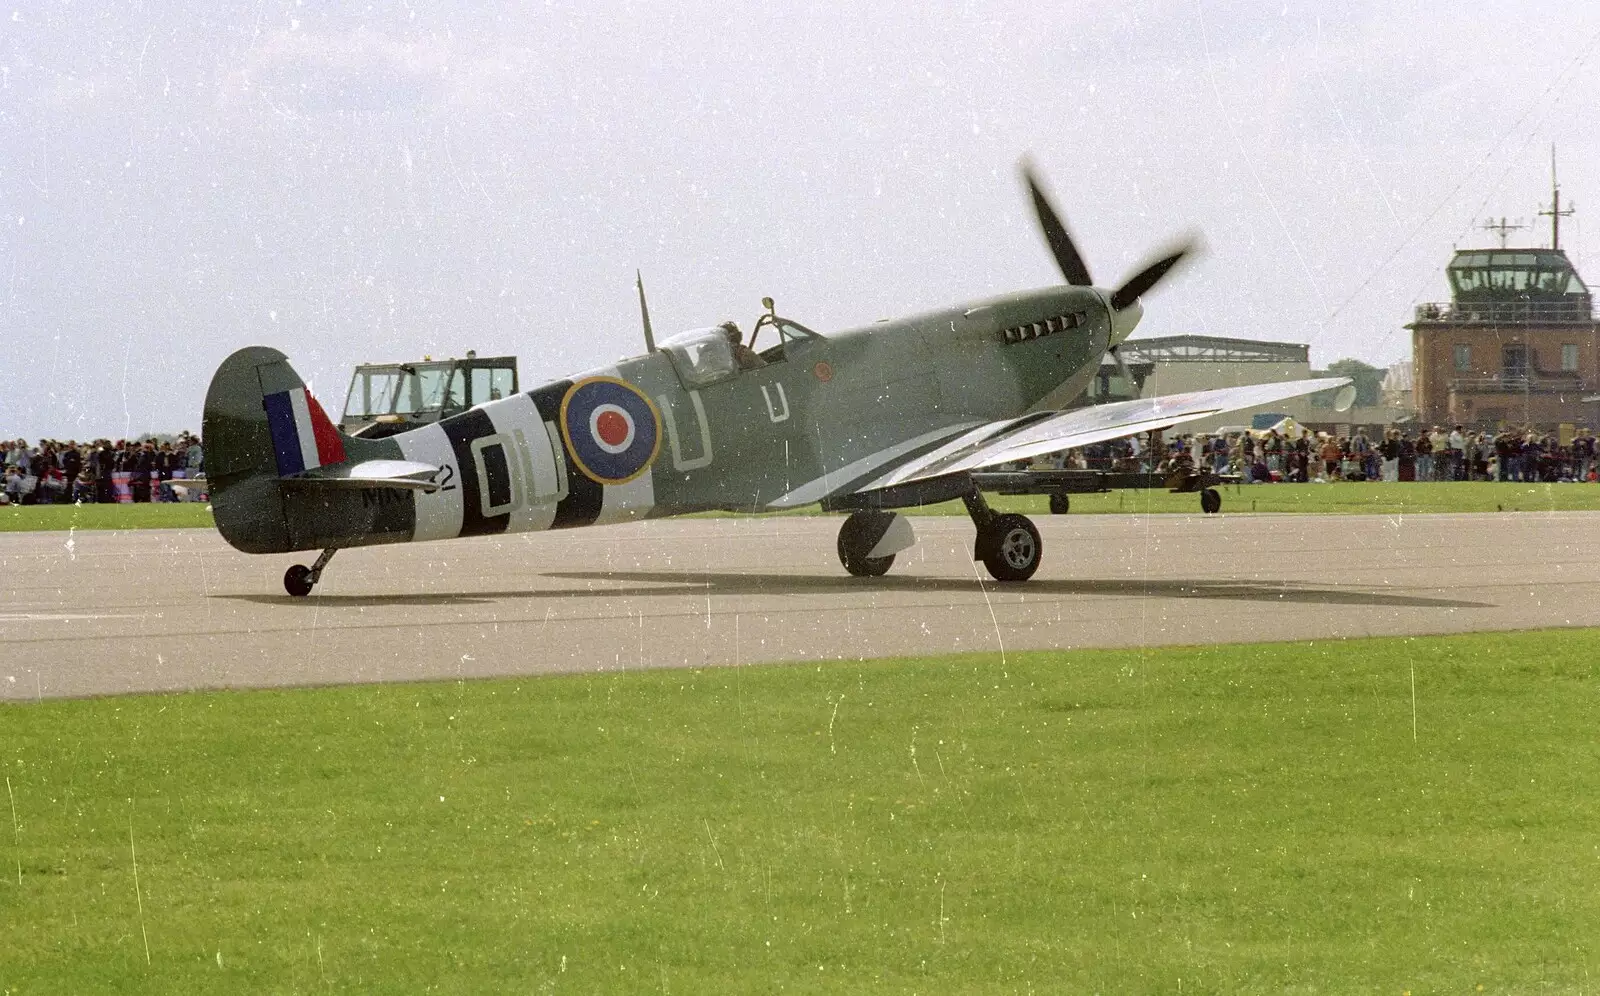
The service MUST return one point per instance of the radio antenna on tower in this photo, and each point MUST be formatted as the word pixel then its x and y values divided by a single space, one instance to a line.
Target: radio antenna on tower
pixel 1556 213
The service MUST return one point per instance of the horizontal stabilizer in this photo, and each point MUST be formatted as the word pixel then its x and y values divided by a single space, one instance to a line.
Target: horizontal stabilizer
pixel 406 475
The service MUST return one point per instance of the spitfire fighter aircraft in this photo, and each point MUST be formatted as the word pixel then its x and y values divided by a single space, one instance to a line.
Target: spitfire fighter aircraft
pixel 868 420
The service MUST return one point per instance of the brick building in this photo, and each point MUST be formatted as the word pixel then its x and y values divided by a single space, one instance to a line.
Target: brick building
pixel 1515 345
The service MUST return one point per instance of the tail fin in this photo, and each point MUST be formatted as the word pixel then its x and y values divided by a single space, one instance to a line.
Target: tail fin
pixel 261 424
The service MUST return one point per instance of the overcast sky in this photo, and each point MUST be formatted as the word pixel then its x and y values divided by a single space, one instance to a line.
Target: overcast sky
pixel 179 180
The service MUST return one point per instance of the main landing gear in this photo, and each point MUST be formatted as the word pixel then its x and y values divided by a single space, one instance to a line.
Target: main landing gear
pixel 869 539
pixel 300 579
pixel 1008 544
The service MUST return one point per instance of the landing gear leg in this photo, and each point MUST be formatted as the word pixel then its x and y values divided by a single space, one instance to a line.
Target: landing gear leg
pixel 1009 545
pixel 300 579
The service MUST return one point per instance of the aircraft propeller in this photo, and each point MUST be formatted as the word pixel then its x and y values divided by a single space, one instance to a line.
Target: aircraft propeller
pixel 1124 301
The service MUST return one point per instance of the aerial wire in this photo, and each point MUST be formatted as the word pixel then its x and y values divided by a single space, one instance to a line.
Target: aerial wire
pixel 1560 82
pixel 1511 163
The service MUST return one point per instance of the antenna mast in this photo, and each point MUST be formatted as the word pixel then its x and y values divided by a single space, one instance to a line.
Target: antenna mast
pixel 644 313
pixel 1502 228
pixel 1555 213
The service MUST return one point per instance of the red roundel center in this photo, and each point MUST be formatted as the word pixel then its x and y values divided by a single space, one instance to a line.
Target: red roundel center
pixel 612 428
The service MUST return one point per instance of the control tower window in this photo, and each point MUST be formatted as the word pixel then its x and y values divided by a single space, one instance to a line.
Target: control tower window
pixel 1569 356
pixel 1463 356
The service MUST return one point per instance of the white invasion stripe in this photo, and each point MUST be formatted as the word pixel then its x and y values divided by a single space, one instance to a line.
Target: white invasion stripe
pixel 302 428
pixel 814 490
pixel 621 502
pixel 914 468
pixel 439 514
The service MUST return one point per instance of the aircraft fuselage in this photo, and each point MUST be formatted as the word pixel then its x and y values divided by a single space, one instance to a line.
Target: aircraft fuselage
pixel 644 438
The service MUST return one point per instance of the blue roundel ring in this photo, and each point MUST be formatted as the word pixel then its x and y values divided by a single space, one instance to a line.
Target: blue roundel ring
pixel 611 428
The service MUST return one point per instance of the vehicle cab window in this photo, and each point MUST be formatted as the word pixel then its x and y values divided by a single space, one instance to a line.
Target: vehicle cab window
pixel 456 397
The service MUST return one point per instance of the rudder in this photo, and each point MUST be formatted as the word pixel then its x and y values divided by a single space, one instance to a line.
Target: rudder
pixel 260 424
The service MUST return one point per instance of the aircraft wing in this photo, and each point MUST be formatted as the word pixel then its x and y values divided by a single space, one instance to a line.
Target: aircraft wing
pixel 406 475
pixel 1048 432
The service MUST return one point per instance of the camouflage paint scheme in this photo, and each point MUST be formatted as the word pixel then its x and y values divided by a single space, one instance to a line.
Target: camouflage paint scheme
pixel 823 417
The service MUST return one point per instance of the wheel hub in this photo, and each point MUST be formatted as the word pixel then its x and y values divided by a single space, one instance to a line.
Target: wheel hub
pixel 1017 548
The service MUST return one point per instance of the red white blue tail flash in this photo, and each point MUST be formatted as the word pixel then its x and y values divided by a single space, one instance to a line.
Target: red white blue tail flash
pixel 303 437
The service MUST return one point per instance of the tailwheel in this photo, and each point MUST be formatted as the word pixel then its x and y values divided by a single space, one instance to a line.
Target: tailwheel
pixel 1060 504
pixel 1210 501
pixel 300 579
pixel 297 581
pixel 1010 547
pixel 859 534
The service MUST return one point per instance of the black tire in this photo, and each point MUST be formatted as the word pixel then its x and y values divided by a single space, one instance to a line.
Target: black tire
pixel 297 581
pixel 1210 501
pixel 854 545
pixel 1060 504
pixel 1011 548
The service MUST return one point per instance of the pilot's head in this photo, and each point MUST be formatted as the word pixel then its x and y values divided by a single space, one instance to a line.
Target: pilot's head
pixel 731 330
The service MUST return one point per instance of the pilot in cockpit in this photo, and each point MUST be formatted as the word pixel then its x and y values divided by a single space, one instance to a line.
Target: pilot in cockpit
pixel 744 356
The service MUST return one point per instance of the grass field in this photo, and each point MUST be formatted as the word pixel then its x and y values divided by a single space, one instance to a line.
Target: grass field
pixel 171 515
pixel 1384 499
pixel 1366 816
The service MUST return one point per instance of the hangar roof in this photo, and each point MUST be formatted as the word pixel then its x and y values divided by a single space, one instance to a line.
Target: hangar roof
pixel 1213 349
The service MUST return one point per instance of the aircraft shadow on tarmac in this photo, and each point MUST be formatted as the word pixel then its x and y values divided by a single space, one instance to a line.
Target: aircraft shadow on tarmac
pixel 647 584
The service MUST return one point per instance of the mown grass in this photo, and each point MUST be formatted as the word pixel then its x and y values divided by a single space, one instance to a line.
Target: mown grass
pixel 163 515
pixel 1348 498
pixel 1270 818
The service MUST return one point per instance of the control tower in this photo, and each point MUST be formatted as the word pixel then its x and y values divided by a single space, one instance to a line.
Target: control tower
pixel 1515 344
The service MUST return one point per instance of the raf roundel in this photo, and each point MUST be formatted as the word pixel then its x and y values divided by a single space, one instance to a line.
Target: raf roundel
pixel 612 430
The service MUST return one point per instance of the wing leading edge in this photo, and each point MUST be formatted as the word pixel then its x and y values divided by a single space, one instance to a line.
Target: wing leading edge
pixel 1036 435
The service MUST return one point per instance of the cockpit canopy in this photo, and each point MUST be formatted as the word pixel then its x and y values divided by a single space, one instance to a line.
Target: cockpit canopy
pixel 1514 275
pixel 701 356
pixel 706 356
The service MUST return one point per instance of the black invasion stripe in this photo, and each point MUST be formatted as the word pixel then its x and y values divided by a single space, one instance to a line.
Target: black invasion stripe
pixel 581 506
pixel 889 465
pixel 461 430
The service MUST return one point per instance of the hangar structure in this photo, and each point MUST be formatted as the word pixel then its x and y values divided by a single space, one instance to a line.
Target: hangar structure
pixel 1179 363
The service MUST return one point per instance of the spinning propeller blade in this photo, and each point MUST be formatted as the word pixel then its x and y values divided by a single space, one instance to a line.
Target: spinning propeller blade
pixel 1071 263
pixel 1140 283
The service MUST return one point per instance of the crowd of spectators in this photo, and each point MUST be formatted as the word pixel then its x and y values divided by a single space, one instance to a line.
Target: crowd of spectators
pixel 1393 454
pixel 55 472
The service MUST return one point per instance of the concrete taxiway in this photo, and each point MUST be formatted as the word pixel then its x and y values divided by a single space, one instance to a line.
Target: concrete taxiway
pixel 95 613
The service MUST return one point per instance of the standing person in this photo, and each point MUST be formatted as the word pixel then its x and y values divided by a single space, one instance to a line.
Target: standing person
pixel 99 467
pixel 194 458
pixel 143 466
pixel 1424 450
pixel 1358 452
pixel 1582 454
pixel 1458 453
pixel 1408 457
pixel 1330 458
pixel 1389 449
pixel 1439 443
pixel 71 462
